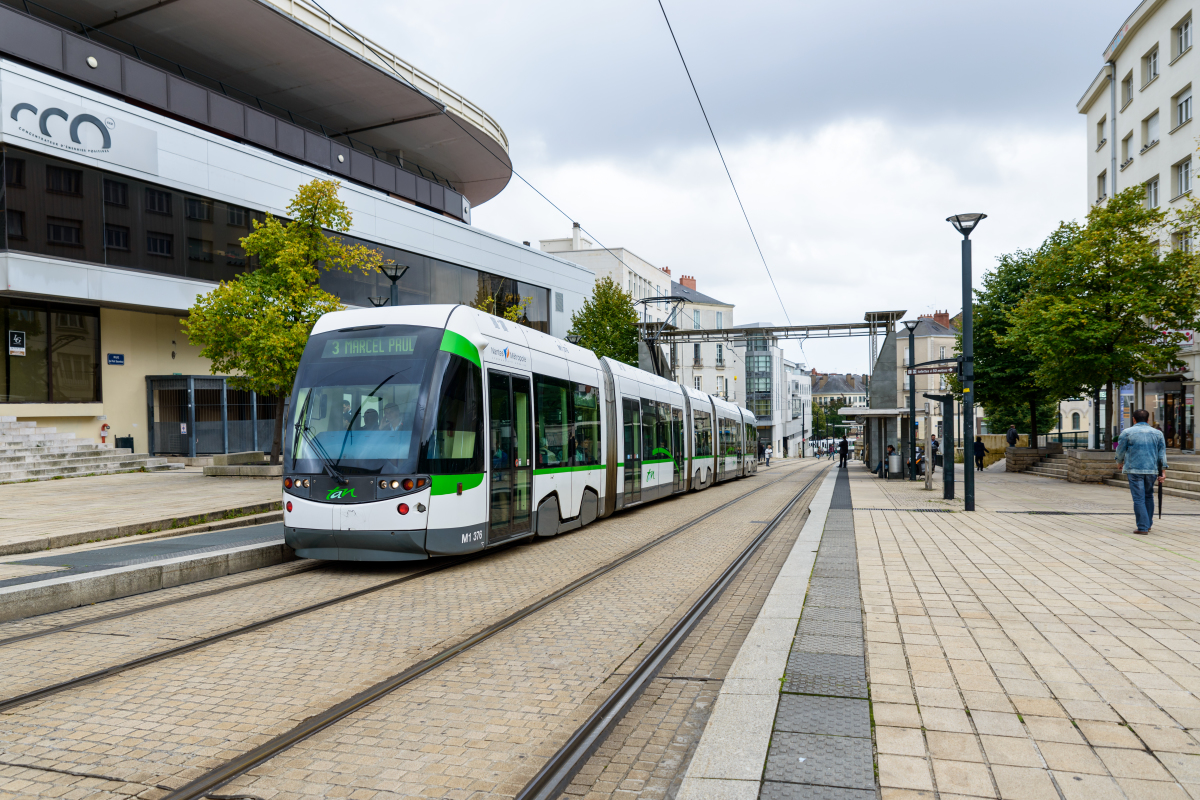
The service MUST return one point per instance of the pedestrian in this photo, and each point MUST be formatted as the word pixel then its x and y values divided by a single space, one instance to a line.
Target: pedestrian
pixel 882 469
pixel 829 453
pixel 768 454
pixel 933 452
pixel 1011 436
pixel 844 451
pixel 1142 454
pixel 980 452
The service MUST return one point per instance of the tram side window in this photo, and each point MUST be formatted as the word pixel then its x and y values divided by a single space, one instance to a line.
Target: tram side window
pixel 662 437
pixel 702 433
pixel 677 434
pixel 553 414
pixel 455 445
pixel 585 431
pixel 649 424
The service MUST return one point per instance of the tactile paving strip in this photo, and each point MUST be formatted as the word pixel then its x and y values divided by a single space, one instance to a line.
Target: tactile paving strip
pixel 838 645
pixel 800 791
pixel 828 716
pixel 820 593
pixel 832 615
pixel 820 627
pixel 823 760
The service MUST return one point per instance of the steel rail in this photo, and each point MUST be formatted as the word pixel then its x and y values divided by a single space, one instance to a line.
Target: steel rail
pixel 219 776
pixel 555 776
pixel 162 604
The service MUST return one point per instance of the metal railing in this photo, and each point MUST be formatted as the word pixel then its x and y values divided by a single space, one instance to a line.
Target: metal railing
pixel 1065 438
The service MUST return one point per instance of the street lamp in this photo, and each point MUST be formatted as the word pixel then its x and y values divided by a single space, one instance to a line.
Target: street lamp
pixel 964 224
pixel 393 272
pixel 573 338
pixel 378 302
pixel 911 325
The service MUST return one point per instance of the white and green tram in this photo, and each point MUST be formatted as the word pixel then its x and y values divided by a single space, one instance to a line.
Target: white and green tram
pixel 435 430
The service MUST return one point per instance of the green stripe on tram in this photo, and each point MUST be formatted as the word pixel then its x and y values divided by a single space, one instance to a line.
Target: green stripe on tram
pixel 460 345
pixel 448 484
pixel 551 470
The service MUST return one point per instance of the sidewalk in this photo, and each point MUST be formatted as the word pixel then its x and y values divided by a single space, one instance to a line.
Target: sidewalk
pixel 52 514
pixel 1033 649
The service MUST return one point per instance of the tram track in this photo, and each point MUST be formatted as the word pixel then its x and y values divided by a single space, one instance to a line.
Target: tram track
pixel 583 743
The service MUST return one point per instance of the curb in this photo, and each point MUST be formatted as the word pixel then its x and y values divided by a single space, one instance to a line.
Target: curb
pixel 190 524
pixel 58 594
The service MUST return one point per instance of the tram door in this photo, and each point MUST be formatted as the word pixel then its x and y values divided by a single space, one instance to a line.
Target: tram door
pixel 677 448
pixel 631 413
pixel 511 454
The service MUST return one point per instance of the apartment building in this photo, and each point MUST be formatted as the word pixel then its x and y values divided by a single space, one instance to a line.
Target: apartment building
pixel 713 367
pixel 1139 112
pixel 799 428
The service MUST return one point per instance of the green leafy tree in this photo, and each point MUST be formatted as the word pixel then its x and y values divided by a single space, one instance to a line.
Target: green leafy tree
pixel 1006 385
pixel 254 327
pixel 1109 301
pixel 607 323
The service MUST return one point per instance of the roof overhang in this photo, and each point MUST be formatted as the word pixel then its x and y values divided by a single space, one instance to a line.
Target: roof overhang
pixel 1095 91
pixel 1135 20
pixel 290 54
pixel 854 411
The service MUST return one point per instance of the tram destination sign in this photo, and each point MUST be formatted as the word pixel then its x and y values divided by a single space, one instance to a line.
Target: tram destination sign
pixel 369 346
pixel 936 369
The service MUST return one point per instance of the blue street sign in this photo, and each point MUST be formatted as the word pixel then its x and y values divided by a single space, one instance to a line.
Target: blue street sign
pixel 116 359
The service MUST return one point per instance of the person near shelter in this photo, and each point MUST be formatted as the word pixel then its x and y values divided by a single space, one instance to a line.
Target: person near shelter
pixel 882 469
pixel 980 452
pixel 1011 436
pixel 934 445
pixel 843 451
pixel 1142 454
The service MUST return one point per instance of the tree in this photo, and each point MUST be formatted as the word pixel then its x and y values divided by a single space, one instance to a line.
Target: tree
pixel 1108 302
pixel 607 323
pixel 254 327
pixel 1006 385
pixel 507 306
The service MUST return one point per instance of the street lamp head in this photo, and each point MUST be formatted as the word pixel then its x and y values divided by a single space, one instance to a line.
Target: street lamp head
pixel 965 223
pixel 394 272
pixel 911 324
pixel 573 338
pixel 378 302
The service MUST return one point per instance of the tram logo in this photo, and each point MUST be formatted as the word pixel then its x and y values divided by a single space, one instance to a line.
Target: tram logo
pixel 508 354
pixel 340 494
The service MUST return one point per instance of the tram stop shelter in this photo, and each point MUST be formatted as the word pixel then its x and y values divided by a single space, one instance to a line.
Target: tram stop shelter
pixel 881 427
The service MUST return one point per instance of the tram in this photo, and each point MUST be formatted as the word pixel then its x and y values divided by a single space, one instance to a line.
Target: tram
pixel 437 430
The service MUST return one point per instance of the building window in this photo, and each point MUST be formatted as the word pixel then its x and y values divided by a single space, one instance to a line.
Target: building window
pixel 235 216
pixel 64 232
pixel 1182 241
pixel 696 318
pixel 198 209
pixel 1100 137
pixel 61 180
pixel 1075 420
pixel 158 202
pixel 1127 90
pixel 200 250
pixel 720 354
pixel 720 320
pixel 16 224
pixel 116 237
pixel 14 172
pixel 1183 106
pixel 234 255
pixel 1152 193
pixel 1150 131
pixel 696 354
pixel 698 384
pixel 159 244
pixel 61 361
pixel 1101 186
pixel 116 193
pixel 941 352
pixel 1150 66
pixel 1126 146
pixel 1183 37
pixel 1183 177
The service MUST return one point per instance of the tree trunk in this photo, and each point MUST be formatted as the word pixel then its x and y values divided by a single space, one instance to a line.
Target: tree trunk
pixel 1108 414
pixel 1033 426
pixel 277 440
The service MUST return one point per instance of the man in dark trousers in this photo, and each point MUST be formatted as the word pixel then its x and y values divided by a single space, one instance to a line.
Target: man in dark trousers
pixel 843 451
pixel 1142 454
pixel 934 446
pixel 980 452
pixel 1011 436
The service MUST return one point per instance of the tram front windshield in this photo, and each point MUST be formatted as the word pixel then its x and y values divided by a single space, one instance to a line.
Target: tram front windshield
pixel 357 398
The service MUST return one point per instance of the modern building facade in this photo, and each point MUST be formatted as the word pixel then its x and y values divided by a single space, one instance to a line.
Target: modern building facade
pixel 130 177
pixel 1139 113
pixel 799 427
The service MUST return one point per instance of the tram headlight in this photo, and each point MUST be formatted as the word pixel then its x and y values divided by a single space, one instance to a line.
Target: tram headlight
pixel 402 508
pixel 408 484
pixel 383 484
pixel 396 485
pixel 306 483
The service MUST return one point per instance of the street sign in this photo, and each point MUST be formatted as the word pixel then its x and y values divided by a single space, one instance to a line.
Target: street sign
pixel 942 369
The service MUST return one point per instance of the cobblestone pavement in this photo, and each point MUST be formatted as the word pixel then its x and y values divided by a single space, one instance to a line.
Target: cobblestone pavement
pixel 483 724
pixel 648 752
pixel 1030 655
pixel 162 724
pixel 30 511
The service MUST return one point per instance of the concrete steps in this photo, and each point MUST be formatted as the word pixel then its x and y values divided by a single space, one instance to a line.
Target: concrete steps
pixel 30 453
pixel 1053 466
pixel 1183 478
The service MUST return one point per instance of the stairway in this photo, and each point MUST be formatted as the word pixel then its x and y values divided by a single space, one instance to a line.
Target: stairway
pixel 30 453
pixel 1183 477
pixel 1052 466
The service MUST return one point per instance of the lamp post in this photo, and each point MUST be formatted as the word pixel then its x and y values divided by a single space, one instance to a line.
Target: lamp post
pixel 573 338
pixel 964 224
pixel 393 272
pixel 911 325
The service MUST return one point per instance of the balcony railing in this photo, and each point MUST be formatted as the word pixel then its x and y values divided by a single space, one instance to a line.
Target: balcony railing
pixel 697 363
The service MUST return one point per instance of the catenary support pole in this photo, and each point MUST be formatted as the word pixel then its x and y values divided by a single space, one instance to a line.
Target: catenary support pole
pixel 912 405
pixel 968 381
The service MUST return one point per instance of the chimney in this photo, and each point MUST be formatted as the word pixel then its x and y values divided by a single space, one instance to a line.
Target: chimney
pixel 850 380
pixel 942 318
pixel 526 244
pixel 667 270
pixel 688 281
pixel 574 235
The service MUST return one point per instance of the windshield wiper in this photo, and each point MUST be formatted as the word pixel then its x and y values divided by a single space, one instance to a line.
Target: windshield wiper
pixel 315 444
pixel 350 424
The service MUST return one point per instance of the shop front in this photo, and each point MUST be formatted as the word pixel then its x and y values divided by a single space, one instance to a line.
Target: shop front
pixel 1171 404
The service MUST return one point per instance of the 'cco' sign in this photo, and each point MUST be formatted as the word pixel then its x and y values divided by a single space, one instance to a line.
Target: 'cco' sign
pixel 97 131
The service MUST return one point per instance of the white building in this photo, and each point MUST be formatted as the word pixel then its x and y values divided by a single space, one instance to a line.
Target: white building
pixel 712 367
pixel 799 428
pixel 1139 113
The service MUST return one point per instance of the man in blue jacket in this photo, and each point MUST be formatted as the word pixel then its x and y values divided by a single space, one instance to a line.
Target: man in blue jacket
pixel 1142 452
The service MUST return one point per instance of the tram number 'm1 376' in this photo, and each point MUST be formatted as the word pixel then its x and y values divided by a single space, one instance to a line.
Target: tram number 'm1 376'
pixel 473 536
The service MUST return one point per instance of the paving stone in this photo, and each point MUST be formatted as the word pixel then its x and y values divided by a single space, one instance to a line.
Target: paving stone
pixel 830 716
pixel 773 790
pixel 824 760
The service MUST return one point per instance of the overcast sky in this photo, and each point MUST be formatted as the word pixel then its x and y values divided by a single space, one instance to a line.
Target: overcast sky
pixel 852 129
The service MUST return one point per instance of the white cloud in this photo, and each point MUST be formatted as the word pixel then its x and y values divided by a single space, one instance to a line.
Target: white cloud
pixel 850 217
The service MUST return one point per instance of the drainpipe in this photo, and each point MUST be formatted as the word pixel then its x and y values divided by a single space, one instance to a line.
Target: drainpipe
pixel 1112 119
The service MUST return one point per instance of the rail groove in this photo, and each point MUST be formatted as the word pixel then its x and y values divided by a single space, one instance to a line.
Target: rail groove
pixel 215 778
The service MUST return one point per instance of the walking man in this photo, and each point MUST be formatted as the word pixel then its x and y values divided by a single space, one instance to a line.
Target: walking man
pixel 1011 436
pixel 933 452
pixel 980 452
pixel 1142 454
pixel 844 451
